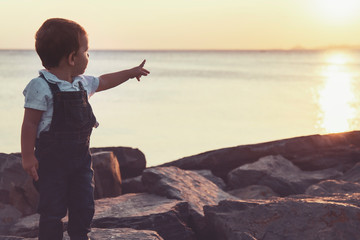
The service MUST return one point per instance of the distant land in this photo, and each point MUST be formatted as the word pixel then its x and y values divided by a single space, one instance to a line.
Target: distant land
pixel 330 47
pixel 295 48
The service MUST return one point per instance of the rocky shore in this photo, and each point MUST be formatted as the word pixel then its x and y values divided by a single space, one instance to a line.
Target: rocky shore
pixel 299 188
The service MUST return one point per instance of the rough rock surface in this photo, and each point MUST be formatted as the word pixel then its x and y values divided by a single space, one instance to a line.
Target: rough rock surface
pixel 133 185
pixel 168 217
pixel 189 186
pixel 353 175
pixel 276 172
pixel 328 187
pixel 106 174
pixel 8 216
pixel 27 227
pixel 123 234
pixel 14 238
pixel 331 218
pixel 172 182
pixel 131 160
pixel 105 234
pixel 315 152
pixel 16 187
pixel 208 175
pixel 254 192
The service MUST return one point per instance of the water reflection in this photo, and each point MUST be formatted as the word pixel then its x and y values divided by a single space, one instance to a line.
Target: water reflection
pixel 336 97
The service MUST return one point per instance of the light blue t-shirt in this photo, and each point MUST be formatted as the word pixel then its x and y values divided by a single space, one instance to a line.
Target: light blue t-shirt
pixel 38 94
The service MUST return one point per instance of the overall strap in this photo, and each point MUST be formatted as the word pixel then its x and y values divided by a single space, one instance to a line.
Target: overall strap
pixel 53 86
pixel 81 86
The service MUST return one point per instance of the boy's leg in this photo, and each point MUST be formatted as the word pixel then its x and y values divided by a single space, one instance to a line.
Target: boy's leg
pixel 52 204
pixel 81 202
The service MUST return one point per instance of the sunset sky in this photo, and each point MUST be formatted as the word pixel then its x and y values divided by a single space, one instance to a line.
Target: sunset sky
pixel 189 24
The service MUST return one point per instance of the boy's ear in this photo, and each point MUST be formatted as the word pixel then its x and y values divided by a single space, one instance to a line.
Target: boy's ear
pixel 71 59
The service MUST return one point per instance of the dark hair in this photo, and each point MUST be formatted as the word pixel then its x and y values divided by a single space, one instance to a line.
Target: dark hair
pixel 57 38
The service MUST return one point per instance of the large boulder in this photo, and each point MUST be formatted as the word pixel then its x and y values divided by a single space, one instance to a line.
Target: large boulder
pixel 335 218
pixel 315 152
pixel 329 187
pixel 168 217
pixel 131 160
pixel 106 174
pixel 16 186
pixel 172 182
pixel 143 211
pixel 175 183
pixel 276 172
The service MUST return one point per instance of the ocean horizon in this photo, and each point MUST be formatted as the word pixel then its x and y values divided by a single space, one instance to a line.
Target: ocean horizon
pixel 200 100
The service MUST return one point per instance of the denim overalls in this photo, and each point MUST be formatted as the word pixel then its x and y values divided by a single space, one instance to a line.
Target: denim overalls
pixel 65 173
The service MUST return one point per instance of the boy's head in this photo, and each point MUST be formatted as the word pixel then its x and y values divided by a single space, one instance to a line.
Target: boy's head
pixel 57 38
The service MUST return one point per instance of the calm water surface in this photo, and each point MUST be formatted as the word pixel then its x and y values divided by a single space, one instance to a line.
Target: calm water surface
pixel 194 101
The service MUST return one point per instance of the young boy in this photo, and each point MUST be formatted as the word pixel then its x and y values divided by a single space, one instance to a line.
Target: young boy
pixel 57 125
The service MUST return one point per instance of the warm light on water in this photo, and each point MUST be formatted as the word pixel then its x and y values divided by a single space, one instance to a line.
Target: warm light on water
pixel 337 98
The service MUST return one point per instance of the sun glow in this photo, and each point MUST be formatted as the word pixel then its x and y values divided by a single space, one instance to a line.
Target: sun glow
pixel 336 97
pixel 337 10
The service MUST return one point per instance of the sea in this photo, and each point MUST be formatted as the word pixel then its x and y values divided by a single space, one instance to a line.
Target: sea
pixel 197 101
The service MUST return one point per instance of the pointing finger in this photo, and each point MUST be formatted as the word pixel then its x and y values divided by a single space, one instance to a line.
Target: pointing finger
pixel 142 64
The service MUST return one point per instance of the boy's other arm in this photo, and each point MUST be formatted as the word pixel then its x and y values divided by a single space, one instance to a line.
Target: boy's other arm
pixel 28 136
pixel 111 80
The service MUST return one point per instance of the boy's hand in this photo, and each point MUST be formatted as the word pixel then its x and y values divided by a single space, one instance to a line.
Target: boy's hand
pixel 111 80
pixel 139 71
pixel 31 165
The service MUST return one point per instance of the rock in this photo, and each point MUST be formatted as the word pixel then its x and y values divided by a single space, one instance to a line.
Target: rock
pixel 106 174
pixel 287 218
pixel 8 216
pixel 353 175
pixel 189 186
pixel 16 187
pixel 254 192
pixel 245 236
pixel 123 234
pixel 329 187
pixel 133 185
pixel 172 182
pixel 104 234
pixel 120 234
pixel 208 175
pixel 132 161
pixel 167 217
pixel 142 211
pixel 13 238
pixel 309 153
pixel 276 172
pixel 27 227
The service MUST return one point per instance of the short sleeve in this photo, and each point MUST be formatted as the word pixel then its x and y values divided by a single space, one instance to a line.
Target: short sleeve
pixel 91 84
pixel 37 94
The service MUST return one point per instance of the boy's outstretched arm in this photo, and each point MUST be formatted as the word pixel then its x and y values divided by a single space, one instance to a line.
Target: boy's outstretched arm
pixel 28 136
pixel 111 80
